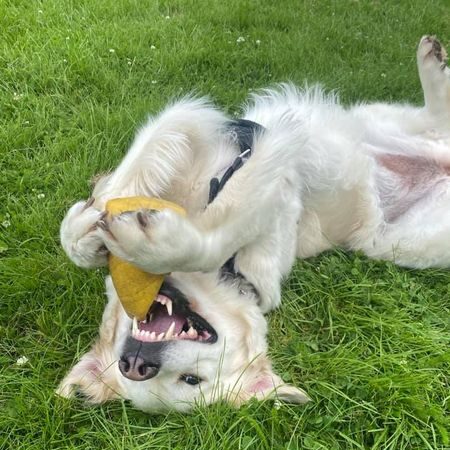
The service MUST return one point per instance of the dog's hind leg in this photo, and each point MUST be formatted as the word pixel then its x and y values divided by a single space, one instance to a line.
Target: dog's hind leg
pixel 435 77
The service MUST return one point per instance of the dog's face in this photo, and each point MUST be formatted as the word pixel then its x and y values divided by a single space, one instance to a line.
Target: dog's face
pixel 202 342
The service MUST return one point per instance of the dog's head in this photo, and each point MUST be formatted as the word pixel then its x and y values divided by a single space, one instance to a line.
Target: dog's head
pixel 202 341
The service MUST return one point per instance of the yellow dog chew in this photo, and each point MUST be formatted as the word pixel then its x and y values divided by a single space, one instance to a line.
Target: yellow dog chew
pixel 136 289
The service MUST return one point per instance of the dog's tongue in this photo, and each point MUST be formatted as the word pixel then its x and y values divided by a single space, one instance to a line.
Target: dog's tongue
pixel 161 323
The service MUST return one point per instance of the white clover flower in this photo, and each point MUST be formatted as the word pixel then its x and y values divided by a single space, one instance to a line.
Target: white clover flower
pixel 167 17
pixel 6 224
pixel 383 75
pixel 41 195
pixel 152 47
pixel 154 81
pixel 22 361
pixel 258 42
pixel 65 60
pixel 17 97
pixel 240 39
pixel 111 50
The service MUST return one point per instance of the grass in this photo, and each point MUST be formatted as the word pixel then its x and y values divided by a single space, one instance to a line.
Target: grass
pixel 369 341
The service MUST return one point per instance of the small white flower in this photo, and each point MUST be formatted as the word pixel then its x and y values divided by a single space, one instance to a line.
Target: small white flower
pixel 40 11
pixel 22 360
pixel 258 42
pixel 167 17
pixel 41 195
pixel 129 63
pixel 67 38
pixel 111 50
pixel 26 122
pixel 17 97
pixel 154 81
pixel 65 60
pixel 383 75
pixel 240 39
pixel 152 47
pixel 6 223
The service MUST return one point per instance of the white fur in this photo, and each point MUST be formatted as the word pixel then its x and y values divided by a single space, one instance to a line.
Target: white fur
pixel 318 177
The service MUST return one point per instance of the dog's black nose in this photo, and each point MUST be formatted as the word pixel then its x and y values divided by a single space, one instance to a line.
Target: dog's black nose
pixel 136 369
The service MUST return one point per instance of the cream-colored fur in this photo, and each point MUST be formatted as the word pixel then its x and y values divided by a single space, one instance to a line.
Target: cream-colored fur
pixel 371 177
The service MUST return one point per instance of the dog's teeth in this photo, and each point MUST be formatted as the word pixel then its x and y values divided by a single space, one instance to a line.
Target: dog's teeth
pixel 160 336
pixel 153 336
pixel 135 324
pixel 192 332
pixel 169 332
pixel 147 335
pixel 169 307
pixel 183 335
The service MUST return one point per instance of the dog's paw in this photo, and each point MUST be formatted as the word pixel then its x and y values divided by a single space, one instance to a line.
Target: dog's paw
pixel 431 53
pixel 80 235
pixel 156 241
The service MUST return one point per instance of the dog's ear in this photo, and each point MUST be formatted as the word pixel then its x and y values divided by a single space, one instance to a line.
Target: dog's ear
pixel 261 382
pixel 95 377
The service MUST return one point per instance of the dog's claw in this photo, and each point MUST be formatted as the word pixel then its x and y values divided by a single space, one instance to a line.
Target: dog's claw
pixel 89 203
pixel 102 224
pixel 142 219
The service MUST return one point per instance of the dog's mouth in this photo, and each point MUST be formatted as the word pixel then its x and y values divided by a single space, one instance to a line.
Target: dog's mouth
pixel 171 319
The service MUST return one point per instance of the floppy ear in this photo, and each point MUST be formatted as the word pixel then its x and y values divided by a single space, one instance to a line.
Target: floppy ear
pixel 96 376
pixel 261 382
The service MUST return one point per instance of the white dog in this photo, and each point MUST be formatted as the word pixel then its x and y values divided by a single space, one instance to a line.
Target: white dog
pixel 314 175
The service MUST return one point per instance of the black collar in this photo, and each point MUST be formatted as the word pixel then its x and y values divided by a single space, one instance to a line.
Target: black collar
pixel 242 133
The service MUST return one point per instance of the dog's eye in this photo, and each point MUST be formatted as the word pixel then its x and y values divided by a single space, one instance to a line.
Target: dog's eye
pixel 190 379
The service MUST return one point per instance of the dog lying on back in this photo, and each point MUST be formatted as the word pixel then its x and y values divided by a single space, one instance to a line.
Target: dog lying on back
pixel 298 175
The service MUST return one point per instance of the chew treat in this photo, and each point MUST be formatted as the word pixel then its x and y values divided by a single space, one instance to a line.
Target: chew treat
pixel 136 289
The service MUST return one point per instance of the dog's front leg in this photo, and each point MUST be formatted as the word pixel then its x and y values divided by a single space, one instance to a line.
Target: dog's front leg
pixel 156 241
pixel 254 217
pixel 157 165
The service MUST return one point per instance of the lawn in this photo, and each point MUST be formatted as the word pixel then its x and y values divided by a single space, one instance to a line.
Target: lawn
pixel 368 341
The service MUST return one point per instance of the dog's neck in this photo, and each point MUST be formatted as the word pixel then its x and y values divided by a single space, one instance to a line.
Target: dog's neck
pixel 242 133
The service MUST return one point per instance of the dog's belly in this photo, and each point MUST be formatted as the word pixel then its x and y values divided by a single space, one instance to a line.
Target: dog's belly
pixel 403 182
